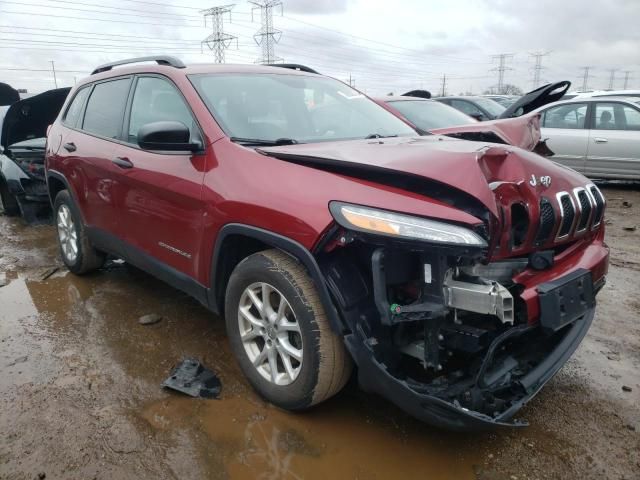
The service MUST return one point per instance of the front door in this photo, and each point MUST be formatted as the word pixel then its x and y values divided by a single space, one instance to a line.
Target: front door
pixel 160 193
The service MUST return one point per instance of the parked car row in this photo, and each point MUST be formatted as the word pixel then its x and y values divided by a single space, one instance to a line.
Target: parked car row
pixel 456 276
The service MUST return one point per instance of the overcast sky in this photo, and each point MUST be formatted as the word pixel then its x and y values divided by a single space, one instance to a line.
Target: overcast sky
pixel 386 46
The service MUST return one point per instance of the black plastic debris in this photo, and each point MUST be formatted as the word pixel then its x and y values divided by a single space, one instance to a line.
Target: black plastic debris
pixel 194 379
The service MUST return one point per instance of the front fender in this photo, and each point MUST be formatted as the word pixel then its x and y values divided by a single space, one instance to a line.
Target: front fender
pixel 219 274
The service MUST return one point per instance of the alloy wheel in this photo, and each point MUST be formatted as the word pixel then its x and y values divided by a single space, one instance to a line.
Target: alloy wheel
pixel 270 333
pixel 67 234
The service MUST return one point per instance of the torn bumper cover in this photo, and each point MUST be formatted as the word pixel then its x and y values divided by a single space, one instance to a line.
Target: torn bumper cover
pixel 374 376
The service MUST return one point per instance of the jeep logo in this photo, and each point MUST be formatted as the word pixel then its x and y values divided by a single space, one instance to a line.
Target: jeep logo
pixel 544 180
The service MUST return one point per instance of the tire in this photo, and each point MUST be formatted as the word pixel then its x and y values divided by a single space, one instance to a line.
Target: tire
pixel 86 258
pixel 325 365
pixel 9 202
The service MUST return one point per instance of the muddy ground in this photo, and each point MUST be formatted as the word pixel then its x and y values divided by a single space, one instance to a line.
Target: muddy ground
pixel 80 394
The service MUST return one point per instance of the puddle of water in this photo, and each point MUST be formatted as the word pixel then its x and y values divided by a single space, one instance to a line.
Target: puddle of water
pixel 24 345
pixel 86 330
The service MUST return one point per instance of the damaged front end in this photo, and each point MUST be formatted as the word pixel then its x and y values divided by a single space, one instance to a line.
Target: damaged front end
pixel 442 334
pixel 461 324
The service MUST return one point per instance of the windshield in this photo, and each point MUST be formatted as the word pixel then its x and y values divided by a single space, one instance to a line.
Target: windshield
pixel 428 115
pixel 273 107
pixel 491 106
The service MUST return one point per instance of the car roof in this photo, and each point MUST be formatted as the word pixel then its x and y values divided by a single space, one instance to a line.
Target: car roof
pixel 192 69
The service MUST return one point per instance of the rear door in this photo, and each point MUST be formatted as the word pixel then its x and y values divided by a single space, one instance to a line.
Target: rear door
pixel 614 141
pixel 160 192
pixel 86 150
pixel 563 126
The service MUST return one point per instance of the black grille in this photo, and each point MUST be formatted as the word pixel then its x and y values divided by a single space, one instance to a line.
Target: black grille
pixel 597 217
pixel 569 215
pixel 585 209
pixel 547 221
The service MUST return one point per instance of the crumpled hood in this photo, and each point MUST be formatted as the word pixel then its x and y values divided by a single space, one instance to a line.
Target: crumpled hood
pixel 474 168
pixel 523 132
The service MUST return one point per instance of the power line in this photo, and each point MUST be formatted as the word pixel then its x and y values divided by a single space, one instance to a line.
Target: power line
pixel 538 67
pixel 443 90
pixel 218 41
pixel 627 74
pixel 53 69
pixel 501 68
pixel 585 78
pixel 267 36
pixel 612 77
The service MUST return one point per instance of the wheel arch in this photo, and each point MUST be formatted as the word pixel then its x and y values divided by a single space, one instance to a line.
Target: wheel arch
pixel 56 182
pixel 237 241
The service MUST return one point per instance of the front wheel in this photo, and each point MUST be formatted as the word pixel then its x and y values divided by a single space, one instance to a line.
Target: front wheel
pixel 280 335
pixel 77 252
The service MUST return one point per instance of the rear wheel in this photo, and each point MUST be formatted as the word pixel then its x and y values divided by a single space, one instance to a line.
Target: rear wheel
pixel 9 202
pixel 77 252
pixel 280 335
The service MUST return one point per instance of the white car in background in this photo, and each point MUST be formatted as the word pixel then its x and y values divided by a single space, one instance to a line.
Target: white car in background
pixel 596 136
pixel 602 93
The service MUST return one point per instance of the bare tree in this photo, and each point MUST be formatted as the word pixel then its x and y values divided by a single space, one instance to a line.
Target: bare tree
pixel 507 89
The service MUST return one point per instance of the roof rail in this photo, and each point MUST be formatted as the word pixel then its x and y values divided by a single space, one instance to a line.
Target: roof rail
pixel 293 66
pixel 160 59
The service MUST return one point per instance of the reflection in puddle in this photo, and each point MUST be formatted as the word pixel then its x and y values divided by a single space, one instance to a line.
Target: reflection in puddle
pixel 336 440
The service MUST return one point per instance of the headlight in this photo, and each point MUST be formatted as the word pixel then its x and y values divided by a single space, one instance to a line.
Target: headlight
pixel 372 220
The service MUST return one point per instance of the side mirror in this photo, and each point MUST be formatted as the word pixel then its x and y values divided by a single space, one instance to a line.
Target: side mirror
pixel 478 116
pixel 166 136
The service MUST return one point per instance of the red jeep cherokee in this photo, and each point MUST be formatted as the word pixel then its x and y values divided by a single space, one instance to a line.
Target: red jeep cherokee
pixel 457 276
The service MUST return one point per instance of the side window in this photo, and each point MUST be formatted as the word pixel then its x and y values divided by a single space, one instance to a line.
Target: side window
pixel 157 100
pixel 570 116
pixel 632 118
pixel 608 117
pixel 105 108
pixel 74 110
pixel 466 107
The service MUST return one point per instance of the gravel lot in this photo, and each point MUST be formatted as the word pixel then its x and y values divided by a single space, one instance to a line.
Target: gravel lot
pixel 80 394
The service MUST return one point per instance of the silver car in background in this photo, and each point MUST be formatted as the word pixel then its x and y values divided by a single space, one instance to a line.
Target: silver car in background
pixel 597 136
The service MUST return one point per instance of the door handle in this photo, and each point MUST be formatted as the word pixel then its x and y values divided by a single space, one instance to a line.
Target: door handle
pixel 600 140
pixel 70 147
pixel 122 162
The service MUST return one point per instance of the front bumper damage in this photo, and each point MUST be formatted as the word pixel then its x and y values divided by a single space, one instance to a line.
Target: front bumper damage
pixel 374 376
pixel 474 342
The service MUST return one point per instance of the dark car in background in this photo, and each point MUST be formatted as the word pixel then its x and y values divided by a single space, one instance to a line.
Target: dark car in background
pixel 23 131
pixel 480 108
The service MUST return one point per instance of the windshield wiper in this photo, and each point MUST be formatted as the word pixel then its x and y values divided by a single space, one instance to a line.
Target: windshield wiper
pixel 377 135
pixel 260 141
